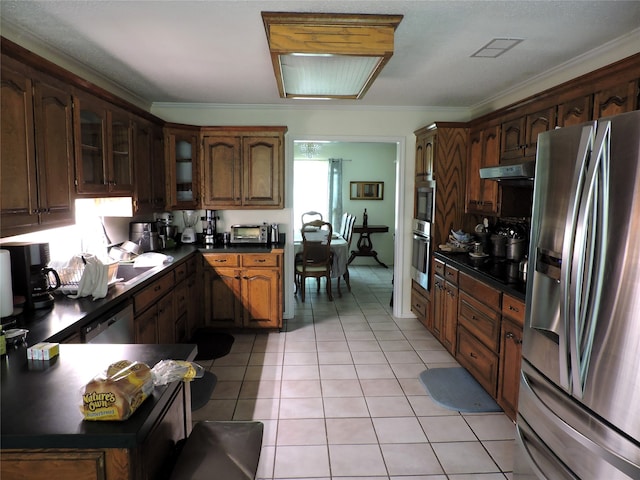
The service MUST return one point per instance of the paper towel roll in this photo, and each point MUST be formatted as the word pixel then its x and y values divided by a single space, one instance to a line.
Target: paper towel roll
pixel 6 291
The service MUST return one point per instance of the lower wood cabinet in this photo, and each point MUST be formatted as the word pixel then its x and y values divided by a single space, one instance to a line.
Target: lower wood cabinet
pixel 243 290
pixel 421 305
pixel 481 361
pixel 510 354
pixel 154 312
pixel 445 305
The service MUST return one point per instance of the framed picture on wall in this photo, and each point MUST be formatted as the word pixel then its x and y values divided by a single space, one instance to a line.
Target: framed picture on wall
pixel 367 190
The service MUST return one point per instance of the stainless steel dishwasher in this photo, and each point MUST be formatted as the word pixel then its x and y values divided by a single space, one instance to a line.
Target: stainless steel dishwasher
pixel 114 327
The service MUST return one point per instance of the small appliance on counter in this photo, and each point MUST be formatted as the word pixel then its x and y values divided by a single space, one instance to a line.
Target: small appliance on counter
pixel 144 234
pixel 209 227
pixel 167 233
pixel 250 233
pixel 32 280
pixel 190 218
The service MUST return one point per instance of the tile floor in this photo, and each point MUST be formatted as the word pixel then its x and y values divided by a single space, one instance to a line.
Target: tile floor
pixel 339 395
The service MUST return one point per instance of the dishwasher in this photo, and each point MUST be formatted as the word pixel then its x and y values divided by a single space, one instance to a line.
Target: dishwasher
pixel 115 326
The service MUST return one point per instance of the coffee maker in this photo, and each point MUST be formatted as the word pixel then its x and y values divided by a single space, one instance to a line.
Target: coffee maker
pixel 31 278
pixel 209 227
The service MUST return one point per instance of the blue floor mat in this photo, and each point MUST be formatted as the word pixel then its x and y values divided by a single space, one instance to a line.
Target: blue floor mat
pixel 456 389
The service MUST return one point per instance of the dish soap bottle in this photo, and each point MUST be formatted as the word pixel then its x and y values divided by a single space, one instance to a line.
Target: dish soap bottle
pixel 365 218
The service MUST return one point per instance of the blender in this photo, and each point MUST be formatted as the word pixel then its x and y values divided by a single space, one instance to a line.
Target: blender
pixel 191 219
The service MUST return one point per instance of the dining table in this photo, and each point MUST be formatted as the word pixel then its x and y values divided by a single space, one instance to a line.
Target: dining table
pixel 339 248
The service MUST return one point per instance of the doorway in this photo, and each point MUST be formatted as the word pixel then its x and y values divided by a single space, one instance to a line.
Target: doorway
pixel 359 157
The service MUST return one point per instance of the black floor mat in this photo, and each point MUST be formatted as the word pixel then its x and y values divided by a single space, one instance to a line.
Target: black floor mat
pixel 212 344
pixel 201 390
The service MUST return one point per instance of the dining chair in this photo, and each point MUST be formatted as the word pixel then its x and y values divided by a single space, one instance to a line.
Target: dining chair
pixel 316 258
pixel 347 233
pixel 311 216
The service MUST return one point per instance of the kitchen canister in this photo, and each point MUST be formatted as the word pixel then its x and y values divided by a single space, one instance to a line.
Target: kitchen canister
pixel 6 290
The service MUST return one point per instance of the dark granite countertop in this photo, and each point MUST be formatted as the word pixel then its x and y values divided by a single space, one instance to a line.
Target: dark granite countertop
pixel 67 314
pixel 497 272
pixel 41 399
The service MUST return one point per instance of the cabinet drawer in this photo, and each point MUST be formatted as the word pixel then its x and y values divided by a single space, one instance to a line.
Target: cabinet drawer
pixel 513 308
pixel 418 304
pixel 478 359
pixel 480 320
pixel 260 260
pixel 451 274
pixel 180 272
pixel 483 292
pixel 221 260
pixel 438 267
pixel 153 292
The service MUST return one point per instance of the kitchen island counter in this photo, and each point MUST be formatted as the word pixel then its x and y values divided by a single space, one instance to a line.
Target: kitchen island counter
pixel 41 409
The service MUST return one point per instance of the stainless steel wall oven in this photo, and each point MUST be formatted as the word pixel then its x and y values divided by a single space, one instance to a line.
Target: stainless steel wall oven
pixel 421 254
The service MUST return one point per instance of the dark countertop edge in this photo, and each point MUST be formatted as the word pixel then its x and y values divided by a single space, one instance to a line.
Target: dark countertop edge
pixel 107 436
pixel 453 258
pixel 69 315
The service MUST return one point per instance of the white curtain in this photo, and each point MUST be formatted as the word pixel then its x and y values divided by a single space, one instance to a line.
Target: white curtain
pixel 335 192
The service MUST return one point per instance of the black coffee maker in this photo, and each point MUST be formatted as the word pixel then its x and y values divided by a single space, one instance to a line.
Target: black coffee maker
pixel 31 278
pixel 209 227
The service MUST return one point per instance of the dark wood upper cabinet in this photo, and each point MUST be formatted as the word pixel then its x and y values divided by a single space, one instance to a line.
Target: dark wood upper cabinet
pixel 617 99
pixel 520 135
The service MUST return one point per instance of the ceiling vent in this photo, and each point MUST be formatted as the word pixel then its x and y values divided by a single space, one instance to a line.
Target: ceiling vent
pixel 328 56
pixel 497 47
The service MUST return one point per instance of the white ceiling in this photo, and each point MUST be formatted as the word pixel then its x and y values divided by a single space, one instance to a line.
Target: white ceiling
pixel 216 52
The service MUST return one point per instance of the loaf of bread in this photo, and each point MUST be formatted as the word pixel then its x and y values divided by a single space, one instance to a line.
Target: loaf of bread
pixel 118 392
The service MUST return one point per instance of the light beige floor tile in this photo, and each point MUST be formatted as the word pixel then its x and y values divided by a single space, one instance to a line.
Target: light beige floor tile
pixel 408 370
pixel 369 358
pixel 269 343
pixel 301 462
pixel 257 409
pixel 502 452
pixel 300 388
pixel 364 346
pixel 300 358
pixel 263 372
pixel 269 432
pixel 308 431
pixel 300 346
pixel 341 388
pixel 369 460
pixel 447 429
pixel 229 373
pixel 410 459
pixel 233 359
pixel 424 406
pixel 384 387
pixel 301 408
pixel 491 426
pixel 332 346
pixel 361 335
pixel 266 462
pixel 215 410
pixel 225 390
pixel 335 358
pixel 464 457
pixel 260 389
pixel 395 346
pixel 399 430
pixel 350 431
pixel 389 407
pixel 300 372
pixel 403 356
pixel 392 334
pixel 266 358
pixel 341 407
pixel 374 371
pixel 435 356
pixel 479 476
pixel 412 386
pixel 337 372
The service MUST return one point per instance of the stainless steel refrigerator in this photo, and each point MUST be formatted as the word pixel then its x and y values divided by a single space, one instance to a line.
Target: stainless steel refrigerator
pixel 579 404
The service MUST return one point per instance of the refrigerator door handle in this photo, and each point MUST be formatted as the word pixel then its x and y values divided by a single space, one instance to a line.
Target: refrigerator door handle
pixel 568 244
pixel 587 269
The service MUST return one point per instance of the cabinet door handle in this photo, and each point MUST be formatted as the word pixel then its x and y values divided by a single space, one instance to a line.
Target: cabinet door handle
pixel 512 336
pixel 222 260
pixel 473 355
pixel 260 260
pixel 513 309
pixel 157 288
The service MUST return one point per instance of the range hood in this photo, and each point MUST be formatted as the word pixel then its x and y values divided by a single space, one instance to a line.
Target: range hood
pixel 518 173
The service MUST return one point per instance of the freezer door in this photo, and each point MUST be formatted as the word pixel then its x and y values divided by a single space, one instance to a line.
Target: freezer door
pixel 560 439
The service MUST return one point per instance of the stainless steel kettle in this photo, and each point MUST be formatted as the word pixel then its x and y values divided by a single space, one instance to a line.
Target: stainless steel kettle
pixel 274 233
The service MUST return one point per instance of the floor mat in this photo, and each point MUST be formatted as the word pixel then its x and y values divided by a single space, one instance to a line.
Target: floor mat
pixel 201 390
pixel 456 389
pixel 212 344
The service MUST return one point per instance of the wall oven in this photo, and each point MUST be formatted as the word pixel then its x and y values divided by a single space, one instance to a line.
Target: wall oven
pixel 425 200
pixel 421 254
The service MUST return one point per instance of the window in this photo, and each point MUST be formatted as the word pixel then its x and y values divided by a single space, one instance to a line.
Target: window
pixel 310 189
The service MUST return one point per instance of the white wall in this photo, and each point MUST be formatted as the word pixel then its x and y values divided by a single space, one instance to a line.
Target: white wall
pixel 386 125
